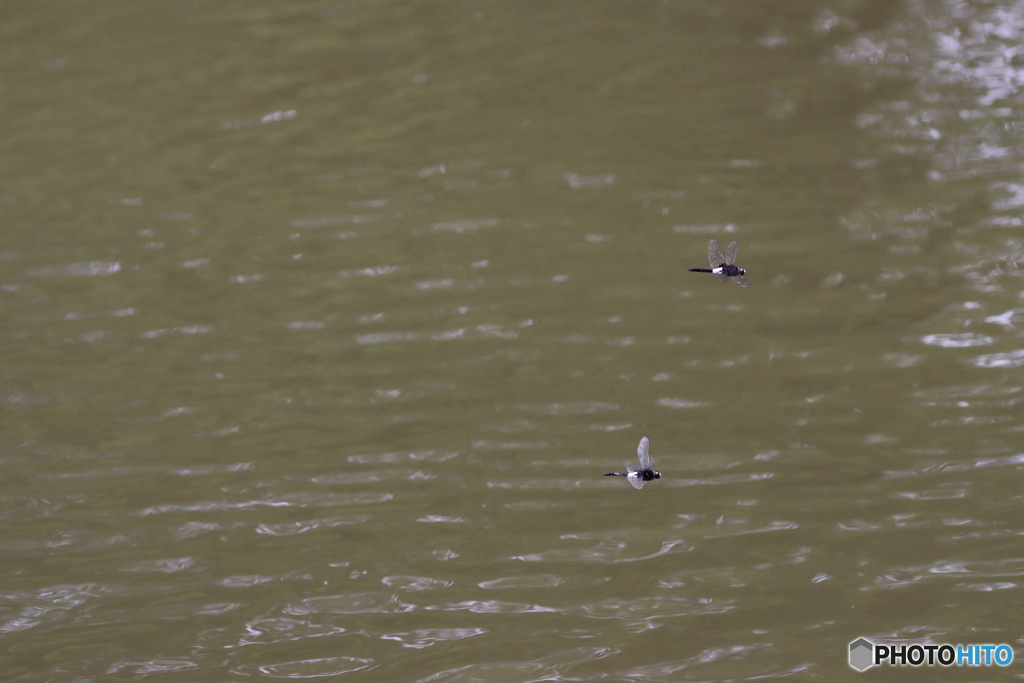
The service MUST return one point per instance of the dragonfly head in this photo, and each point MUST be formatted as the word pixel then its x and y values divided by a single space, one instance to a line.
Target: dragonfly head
pixel 657 475
pixel 743 271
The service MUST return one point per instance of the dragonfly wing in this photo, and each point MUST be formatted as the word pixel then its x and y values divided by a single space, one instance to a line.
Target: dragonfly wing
pixel 636 479
pixel 721 277
pixel 741 281
pixel 730 253
pixel 715 257
pixel 643 452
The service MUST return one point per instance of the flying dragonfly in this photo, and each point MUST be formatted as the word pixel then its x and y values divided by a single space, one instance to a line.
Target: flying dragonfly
pixel 724 266
pixel 638 475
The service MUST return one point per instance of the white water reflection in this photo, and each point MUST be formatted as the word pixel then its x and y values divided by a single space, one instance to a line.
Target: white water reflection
pixel 325 667
pixel 1010 359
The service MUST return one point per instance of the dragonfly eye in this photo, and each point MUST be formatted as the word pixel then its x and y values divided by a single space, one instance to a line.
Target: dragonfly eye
pixel 657 475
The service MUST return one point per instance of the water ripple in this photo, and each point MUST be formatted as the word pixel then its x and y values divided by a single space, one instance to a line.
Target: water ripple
pixel 646 609
pixel 294 528
pixel 606 552
pixel 771 526
pixel 244 581
pixel 83 269
pixel 550 668
pixel 415 583
pixel 588 182
pixel 964 340
pixel 419 456
pixel 339 219
pixel 1010 359
pixel 292 500
pixel 426 637
pixel 353 603
pixel 724 479
pixel 138 669
pixel 491 607
pixel 462 227
pixel 668 671
pixel 485 445
pixel 460 333
pixel 680 403
pixel 309 668
pixel 933 494
pixel 958 466
pixel 165 566
pixel 962 396
pixel 25 610
pixel 531 581
pixel 266 630
pixel 563 409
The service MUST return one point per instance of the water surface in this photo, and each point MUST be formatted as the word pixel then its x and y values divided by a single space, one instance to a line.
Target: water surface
pixel 322 321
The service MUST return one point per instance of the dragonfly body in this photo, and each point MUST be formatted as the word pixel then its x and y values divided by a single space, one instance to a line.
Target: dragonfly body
pixel 637 476
pixel 724 265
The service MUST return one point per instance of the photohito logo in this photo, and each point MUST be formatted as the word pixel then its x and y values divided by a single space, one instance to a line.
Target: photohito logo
pixel 865 654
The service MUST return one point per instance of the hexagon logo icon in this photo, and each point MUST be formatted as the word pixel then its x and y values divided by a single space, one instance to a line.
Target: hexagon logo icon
pixel 861 654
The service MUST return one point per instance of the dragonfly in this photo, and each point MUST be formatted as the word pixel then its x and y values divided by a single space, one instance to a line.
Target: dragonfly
pixel 724 266
pixel 638 475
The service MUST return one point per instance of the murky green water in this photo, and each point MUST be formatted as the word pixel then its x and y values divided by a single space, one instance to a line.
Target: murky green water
pixel 321 322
